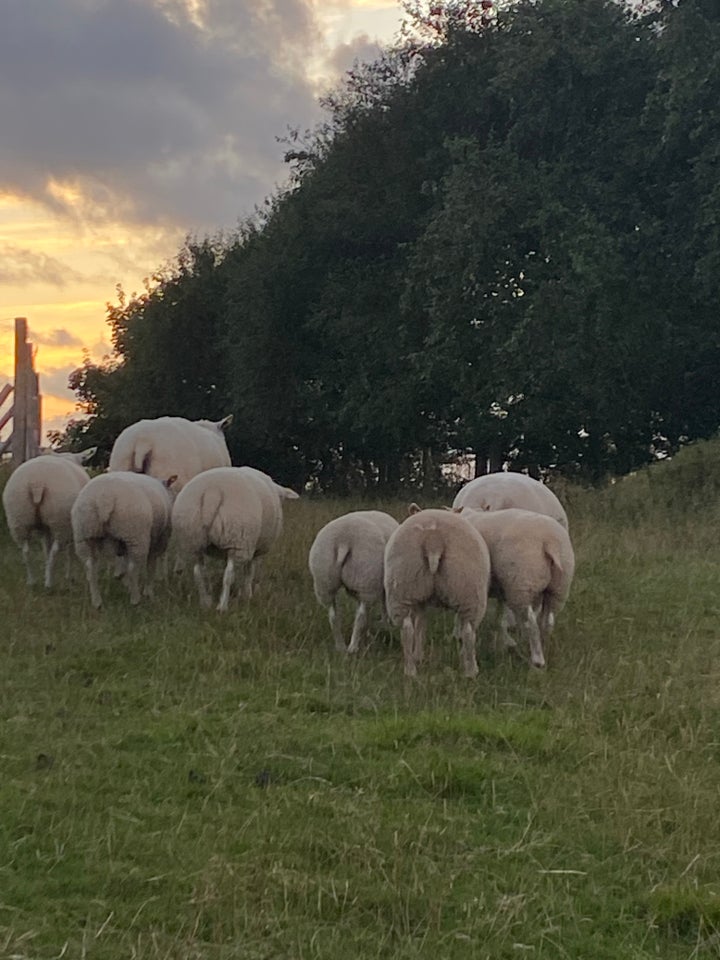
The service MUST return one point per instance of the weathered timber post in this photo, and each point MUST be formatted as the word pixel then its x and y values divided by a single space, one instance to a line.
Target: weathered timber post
pixel 26 405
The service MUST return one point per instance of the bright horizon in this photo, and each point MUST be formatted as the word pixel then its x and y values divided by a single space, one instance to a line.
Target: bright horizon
pixel 84 209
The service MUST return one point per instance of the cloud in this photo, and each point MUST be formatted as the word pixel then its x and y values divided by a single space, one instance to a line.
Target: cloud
pixel 54 382
pixel 23 267
pixel 158 112
pixel 56 338
pixel 361 48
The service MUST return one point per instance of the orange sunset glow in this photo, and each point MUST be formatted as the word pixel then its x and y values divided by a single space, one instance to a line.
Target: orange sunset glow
pixel 77 219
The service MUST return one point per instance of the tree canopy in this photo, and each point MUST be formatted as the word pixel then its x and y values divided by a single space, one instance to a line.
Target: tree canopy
pixel 503 240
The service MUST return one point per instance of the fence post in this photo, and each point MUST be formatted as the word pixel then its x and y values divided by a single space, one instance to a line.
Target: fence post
pixel 26 401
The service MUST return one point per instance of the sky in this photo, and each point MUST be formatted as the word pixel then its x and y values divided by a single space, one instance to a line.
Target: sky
pixel 129 124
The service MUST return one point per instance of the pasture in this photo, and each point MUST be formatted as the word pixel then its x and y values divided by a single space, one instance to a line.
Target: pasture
pixel 195 786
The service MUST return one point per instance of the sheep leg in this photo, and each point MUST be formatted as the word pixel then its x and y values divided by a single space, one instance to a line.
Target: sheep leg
pixel 359 627
pixel 227 584
pixel 530 628
pixel 408 644
pixel 199 577
pixel 419 648
pixel 30 578
pixel 132 575
pixel 91 572
pixel 467 650
pixel 249 579
pixel 506 623
pixel 336 626
pixel 546 618
pixel 152 570
pixel 50 563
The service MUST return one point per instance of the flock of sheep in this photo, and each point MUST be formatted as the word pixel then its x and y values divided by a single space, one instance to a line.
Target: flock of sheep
pixel 506 536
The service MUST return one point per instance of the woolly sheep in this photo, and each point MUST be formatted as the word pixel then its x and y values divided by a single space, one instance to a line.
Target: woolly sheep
pixel 129 512
pixel 504 490
pixel 38 498
pixel 349 552
pixel 436 557
pixel 236 510
pixel 168 446
pixel 532 565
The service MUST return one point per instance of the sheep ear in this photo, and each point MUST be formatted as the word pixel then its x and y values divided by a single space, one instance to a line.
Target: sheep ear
pixel 286 493
pixel 458 509
pixel 86 455
pixel 413 509
pixel 225 422
pixel 170 481
pixel 486 506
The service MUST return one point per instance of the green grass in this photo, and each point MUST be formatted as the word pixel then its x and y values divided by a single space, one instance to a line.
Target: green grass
pixel 176 784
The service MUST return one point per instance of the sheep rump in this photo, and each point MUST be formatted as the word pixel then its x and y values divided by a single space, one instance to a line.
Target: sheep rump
pixel 38 498
pixel 505 490
pixel 532 566
pixel 131 513
pixel 348 552
pixel 436 558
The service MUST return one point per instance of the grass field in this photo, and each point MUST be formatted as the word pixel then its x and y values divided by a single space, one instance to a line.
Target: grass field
pixel 176 784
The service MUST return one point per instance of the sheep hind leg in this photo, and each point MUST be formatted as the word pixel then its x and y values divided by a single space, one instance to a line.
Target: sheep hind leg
pixel 50 563
pixel 201 583
pixel 530 627
pixel 468 658
pixel 359 627
pixel 91 572
pixel 408 644
pixel 29 575
pixel 420 629
pixel 336 626
pixel 228 582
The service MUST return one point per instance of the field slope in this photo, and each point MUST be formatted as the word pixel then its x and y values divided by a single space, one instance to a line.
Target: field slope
pixel 183 785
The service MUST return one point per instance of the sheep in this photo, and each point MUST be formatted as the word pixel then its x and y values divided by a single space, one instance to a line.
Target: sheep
pixel 170 446
pixel 501 491
pixel 38 497
pixel 532 565
pixel 349 552
pixel 436 557
pixel 131 513
pixel 236 510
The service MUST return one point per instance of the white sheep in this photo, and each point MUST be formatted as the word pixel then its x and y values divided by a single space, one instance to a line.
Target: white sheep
pixel 436 557
pixel 349 552
pixel 129 512
pixel 505 490
pixel 168 446
pixel 38 498
pixel 532 565
pixel 236 510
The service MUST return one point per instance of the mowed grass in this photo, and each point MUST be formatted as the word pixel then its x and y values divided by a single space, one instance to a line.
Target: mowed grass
pixel 182 784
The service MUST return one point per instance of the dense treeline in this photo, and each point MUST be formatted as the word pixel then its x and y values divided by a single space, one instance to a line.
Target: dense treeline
pixel 503 240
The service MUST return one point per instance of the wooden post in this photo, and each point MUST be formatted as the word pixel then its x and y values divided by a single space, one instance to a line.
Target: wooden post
pixel 26 406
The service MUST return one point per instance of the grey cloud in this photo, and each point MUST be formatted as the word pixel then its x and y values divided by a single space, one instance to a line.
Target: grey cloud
pixel 161 120
pixel 56 338
pixel 361 48
pixel 21 266
pixel 54 382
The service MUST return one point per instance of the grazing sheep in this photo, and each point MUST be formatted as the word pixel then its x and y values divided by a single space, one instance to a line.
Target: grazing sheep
pixel 170 446
pixel 504 490
pixel 349 552
pixel 436 557
pixel 38 498
pixel 236 510
pixel 532 565
pixel 131 513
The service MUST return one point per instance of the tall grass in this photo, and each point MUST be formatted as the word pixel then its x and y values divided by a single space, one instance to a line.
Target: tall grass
pixel 177 784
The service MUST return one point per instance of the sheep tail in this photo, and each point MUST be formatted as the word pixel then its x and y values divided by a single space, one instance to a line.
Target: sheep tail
pixel 210 507
pixel 343 552
pixel 553 555
pixel 433 549
pixel 142 457
pixel 37 492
